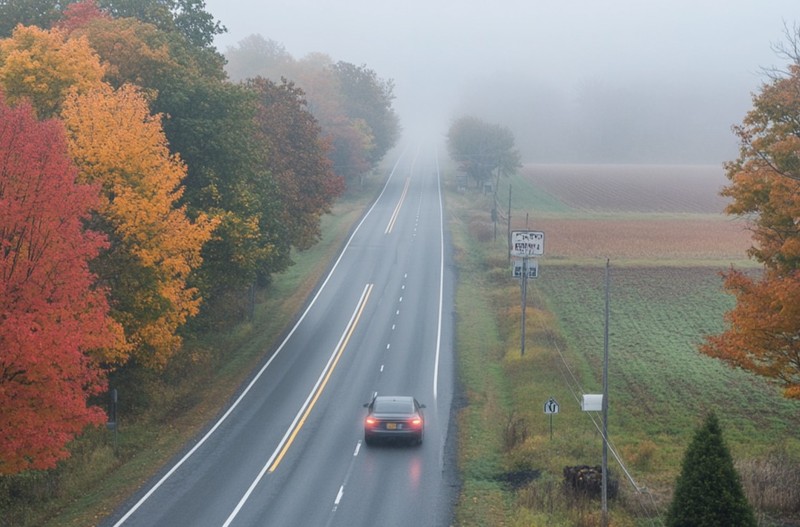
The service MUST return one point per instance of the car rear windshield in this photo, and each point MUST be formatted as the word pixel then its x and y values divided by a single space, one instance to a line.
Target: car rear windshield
pixel 393 407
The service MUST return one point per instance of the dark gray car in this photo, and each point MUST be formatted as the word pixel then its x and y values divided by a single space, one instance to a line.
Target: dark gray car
pixel 394 417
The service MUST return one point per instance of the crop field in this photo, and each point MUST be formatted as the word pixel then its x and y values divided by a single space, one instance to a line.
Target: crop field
pixel 682 189
pixel 632 212
pixel 665 234
pixel 667 238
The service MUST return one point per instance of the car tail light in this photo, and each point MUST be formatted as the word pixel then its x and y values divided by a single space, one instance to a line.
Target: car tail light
pixel 416 422
pixel 370 421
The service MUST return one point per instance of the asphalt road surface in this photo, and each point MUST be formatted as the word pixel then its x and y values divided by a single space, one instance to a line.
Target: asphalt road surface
pixel 289 450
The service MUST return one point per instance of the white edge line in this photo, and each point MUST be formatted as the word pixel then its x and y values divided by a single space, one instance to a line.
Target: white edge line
pixel 302 410
pixel 263 368
pixel 441 282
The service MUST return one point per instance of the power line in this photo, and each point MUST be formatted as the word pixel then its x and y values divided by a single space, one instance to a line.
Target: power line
pixel 574 386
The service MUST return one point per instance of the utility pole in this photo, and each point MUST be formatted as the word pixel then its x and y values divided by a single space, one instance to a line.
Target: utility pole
pixel 524 247
pixel 524 301
pixel 605 403
pixel 509 223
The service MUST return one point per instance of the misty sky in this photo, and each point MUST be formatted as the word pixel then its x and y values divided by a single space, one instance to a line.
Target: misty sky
pixel 575 80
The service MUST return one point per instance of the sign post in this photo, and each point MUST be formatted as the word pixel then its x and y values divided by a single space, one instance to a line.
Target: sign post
pixel 524 245
pixel 550 408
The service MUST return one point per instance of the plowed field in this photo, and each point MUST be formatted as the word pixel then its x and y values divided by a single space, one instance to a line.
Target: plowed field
pixel 633 212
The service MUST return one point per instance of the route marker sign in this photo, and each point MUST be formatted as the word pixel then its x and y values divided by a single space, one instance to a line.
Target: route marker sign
pixel 551 406
pixel 527 243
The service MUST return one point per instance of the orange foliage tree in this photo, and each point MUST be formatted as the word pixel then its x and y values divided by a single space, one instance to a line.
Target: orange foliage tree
pixel 42 66
pixel 53 318
pixel 763 333
pixel 117 143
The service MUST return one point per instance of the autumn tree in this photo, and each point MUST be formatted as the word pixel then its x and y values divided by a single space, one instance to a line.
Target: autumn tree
pixel 55 320
pixel 481 149
pixel 708 492
pixel 119 145
pixel 296 157
pixel 763 329
pixel 79 15
pixel 211 125
pixel 43 65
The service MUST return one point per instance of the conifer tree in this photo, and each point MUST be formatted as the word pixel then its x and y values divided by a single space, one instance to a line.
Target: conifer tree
pixel 708 491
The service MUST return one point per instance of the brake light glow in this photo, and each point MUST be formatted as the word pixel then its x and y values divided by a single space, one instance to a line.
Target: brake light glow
pixel 370 421
pixel 416 422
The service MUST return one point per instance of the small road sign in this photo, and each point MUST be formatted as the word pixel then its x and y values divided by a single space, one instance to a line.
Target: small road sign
pixel 521 265
pixel 551 406
pixel 527 243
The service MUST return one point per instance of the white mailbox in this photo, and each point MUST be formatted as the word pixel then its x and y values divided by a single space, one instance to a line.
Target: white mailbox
pixel 592 402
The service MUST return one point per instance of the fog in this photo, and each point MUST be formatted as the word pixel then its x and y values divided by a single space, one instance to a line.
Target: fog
pixel 623 81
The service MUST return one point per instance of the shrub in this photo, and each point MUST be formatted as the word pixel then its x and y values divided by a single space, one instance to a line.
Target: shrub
pixel 708 491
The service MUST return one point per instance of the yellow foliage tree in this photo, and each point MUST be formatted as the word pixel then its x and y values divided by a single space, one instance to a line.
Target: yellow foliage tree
pixel 42 66
pixel 116 142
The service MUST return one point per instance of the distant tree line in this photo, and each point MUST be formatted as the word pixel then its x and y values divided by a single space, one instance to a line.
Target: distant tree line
pixel 142 193
pixel 351 103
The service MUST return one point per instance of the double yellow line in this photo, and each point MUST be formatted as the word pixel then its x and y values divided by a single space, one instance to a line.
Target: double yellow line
pixel 324 377
pixel 396 212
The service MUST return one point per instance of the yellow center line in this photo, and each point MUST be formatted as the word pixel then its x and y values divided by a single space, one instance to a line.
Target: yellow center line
pixel 349 332
pixel 396 212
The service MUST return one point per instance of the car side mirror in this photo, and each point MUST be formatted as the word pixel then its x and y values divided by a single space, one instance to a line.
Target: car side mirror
pixel 366 405
pixel 422 406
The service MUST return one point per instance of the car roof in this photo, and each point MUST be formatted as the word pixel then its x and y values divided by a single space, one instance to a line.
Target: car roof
pixel 394 404
pixel 395 398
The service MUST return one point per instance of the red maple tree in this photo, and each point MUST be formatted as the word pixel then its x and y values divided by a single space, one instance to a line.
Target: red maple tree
pixel 79 14
pixel 52 315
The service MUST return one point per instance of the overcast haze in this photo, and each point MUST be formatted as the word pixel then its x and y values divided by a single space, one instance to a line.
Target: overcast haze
pixel 576 81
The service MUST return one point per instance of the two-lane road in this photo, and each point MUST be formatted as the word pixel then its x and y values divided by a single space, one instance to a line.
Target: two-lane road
pixel 289 450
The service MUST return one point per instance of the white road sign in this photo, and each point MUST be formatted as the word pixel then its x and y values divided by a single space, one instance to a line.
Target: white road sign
pixel 527 243
pixel 531 265
pixel 551 406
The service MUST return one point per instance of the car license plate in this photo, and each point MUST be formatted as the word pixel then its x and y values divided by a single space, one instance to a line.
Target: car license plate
pixel 391 426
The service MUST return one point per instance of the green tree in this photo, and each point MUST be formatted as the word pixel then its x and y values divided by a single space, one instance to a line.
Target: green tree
pixel 482 149
pixel 708 492
pixel 296 156
pixel 369 98
pixel 40 13
pixel 187 17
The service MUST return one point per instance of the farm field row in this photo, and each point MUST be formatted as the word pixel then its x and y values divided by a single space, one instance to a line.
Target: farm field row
pixel 659 383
